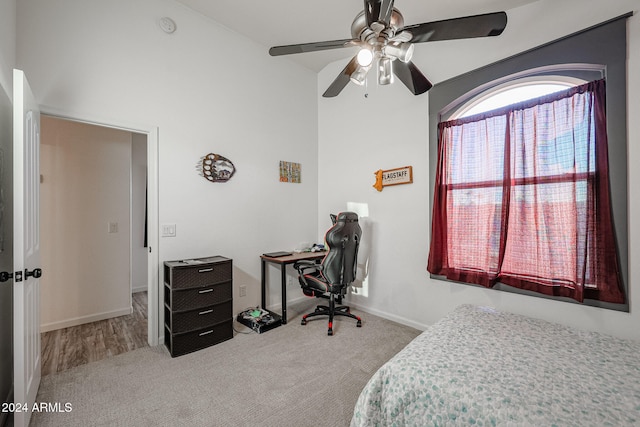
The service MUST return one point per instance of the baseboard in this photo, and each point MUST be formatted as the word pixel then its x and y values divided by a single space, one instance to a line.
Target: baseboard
pixel 379 313
pixel 388 316
pixel 84 319
pixel 136 289
pixel 278 307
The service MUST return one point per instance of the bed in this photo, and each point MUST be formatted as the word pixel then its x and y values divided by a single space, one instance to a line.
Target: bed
pixel 481 367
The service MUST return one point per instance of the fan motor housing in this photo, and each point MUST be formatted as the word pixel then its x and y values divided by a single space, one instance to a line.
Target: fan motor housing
pixel 359 26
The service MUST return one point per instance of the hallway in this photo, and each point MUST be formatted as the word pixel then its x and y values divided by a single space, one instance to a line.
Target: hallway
pixel 66 348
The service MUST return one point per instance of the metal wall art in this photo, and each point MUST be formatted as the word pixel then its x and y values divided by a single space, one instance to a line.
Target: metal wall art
pixel 216 168
pixel 393 177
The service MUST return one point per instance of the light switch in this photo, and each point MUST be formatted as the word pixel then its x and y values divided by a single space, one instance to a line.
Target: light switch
pixel 168 230
pixel 113 227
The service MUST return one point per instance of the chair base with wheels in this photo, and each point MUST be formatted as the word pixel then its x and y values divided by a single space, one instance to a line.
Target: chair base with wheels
pixel 332 310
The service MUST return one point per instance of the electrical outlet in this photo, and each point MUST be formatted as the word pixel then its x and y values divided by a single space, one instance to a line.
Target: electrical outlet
pixel 242 291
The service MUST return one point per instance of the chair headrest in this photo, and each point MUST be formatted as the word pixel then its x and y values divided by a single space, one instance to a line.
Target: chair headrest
pixel 347 217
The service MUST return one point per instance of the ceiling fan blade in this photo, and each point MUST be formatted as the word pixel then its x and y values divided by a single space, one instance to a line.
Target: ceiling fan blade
pixel 310 47
pixel 342 80
pixel 412 77
pixel 378 11
pixel 486 25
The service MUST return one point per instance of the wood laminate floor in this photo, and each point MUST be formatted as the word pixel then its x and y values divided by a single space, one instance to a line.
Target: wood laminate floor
pixel 66 348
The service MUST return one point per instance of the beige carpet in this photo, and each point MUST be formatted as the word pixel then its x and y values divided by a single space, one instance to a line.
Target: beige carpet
pixel 290 376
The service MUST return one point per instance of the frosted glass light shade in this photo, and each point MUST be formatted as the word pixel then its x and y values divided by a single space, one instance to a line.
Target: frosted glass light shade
pixel 402 51
pixel 365 57
pixel 359 75
pixel 385 74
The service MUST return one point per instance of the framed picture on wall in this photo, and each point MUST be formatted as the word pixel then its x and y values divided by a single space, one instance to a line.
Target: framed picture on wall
pixel 290 172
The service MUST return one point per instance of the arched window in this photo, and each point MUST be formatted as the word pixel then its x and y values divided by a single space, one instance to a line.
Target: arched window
pixel 515 91
pixel 525 85
pixel 594 53
pixel 569 62
pixel 522 197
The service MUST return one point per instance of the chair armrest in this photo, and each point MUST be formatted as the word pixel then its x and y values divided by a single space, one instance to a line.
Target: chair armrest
pixel 305 265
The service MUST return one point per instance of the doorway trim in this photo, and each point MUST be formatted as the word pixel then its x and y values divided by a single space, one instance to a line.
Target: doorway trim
pixel 153 263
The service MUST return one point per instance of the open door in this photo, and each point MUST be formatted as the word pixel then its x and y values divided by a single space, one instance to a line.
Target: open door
pixel 26 247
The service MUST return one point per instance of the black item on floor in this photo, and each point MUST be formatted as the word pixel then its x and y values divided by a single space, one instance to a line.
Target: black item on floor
pixel 260 320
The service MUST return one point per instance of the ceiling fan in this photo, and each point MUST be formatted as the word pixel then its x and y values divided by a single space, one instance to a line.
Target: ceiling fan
pixel 387 43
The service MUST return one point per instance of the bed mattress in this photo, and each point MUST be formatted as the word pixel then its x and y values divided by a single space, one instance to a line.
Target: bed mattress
pixel 478 366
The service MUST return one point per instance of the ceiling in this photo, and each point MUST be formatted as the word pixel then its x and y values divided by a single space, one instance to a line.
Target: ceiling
pixel 283 22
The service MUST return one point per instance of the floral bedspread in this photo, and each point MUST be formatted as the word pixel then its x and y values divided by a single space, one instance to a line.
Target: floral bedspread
pixel 482 367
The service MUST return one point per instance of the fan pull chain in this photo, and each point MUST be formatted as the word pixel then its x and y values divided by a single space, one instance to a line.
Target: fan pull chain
pixel 366 87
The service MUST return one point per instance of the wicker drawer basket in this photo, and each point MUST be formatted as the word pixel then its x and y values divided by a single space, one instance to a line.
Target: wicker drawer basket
pixel 198 300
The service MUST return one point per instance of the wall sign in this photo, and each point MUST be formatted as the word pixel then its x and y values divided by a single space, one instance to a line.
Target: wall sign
pixel 393 177
pixel 216 168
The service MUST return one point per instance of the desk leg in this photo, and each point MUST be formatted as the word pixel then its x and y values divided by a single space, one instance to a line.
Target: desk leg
pixel 264 285
pixel 283 271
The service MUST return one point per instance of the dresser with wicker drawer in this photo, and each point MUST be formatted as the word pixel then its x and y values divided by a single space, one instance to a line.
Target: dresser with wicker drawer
pixel 198 303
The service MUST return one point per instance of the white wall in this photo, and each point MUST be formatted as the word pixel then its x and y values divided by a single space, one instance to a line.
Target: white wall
pixel 389 129
pixel 7 44
pixel 86 185
pixel 207 90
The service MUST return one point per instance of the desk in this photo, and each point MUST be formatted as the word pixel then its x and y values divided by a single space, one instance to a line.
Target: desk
pixel 284 261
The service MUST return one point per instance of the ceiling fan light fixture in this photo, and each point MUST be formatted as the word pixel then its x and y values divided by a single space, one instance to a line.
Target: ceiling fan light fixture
pixel 381 36
pixel 365 57
pixel 402 51
pixel 359 76
pixel 385 72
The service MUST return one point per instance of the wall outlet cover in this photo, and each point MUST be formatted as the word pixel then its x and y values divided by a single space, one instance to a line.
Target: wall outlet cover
pixel 168 230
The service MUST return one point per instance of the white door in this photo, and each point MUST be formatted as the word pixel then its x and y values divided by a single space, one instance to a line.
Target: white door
pixel 26 247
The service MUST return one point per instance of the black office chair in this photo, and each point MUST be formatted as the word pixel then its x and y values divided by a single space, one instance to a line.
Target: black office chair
pixel 330 278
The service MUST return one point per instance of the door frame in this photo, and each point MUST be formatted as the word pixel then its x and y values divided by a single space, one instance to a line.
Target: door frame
pixel 153 261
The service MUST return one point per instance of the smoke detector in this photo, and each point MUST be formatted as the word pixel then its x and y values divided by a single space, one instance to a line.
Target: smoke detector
pixel 167 25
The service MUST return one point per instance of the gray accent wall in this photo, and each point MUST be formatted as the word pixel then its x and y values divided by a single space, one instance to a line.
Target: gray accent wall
pixel 602 45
